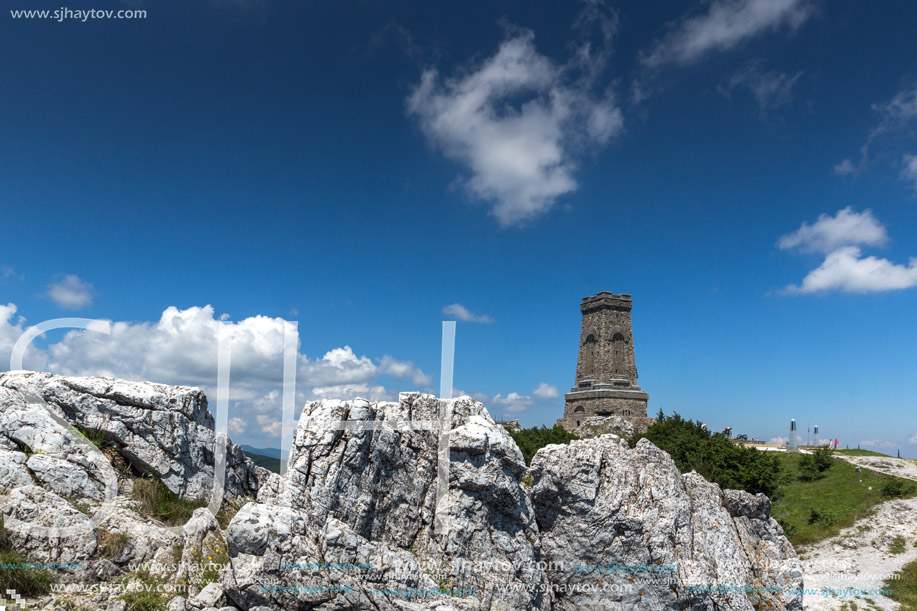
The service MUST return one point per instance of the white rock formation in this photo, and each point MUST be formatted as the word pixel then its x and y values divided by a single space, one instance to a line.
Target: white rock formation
pixel 162 430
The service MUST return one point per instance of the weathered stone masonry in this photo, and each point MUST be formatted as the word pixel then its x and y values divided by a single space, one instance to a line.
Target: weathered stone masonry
pixel 606 371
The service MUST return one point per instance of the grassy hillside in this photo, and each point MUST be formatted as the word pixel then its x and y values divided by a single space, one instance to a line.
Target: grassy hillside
pixel 904 588
pixel 862 453
pixel 268 462
pixel 811 508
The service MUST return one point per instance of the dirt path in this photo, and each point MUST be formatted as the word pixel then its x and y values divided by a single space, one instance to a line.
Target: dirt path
pixel 900 467
pixel 861 557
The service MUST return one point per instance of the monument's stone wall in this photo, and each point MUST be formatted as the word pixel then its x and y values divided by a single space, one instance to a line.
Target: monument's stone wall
pixel 606 370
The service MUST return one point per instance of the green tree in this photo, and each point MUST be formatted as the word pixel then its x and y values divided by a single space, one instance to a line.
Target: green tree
pixel 714 456
pixel 533 439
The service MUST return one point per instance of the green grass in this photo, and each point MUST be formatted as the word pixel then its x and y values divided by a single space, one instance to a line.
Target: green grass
pixel 898 545
pixel 810 511
pixel 145 598
pixel 27 582
pixel 862 453
pixel 268 462
pixel 904 587
pixel 161 503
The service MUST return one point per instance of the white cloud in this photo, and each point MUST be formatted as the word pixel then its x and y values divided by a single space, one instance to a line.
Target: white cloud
pixel 518 120
pixel 546 391
pixel 270 425
pixel 513 402
pixel 913 439
pixel 847 270
pixel 71 292
pixel 724 25
pixel 8 272
pixel 181 348
pixel 404 370
pixel 351 391
pixel 893 115
pixel 909 173
pixel 845 168
pixel 237 426
pixel 462 313
pixel 771 90
pixel 777 441
pixel 876 443
pixel 828 233
pixel 10 332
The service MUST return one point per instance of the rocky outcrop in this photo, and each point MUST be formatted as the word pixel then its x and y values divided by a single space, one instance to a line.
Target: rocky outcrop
pixel 360 520
pixel 165 431
pixel 626 520
pixel 367 496
pixel 593 524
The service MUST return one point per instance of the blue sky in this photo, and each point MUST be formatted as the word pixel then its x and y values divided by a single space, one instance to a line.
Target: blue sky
pixel 743 168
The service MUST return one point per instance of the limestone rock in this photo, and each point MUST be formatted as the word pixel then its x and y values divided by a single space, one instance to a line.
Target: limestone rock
pixel 163 430
pixel 45 527
pixel 13 472
pixel 624 526
pixel 376 490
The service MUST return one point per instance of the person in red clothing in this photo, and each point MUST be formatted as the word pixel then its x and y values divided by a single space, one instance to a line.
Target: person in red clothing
pixel 835 444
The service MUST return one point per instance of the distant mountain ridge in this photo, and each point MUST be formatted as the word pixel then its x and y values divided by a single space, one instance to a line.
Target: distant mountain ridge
pixel 272 452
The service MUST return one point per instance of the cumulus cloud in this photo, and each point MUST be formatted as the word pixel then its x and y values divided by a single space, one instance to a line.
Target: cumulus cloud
pixel 722 26
pixel 181 348
pixel 828 233
pixel 546 391
pixel 70 292
pixel 513 402
pixel 404 370
pixel 518 120
pixel 11 329
pixel 845 268
pixel 462 313
pixel 777 441
pixel 771 90
pixel 913 439
pixel 237 426
pixel 909 172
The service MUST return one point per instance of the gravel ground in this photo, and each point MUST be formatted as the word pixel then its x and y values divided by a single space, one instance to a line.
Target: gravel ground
pixel 861 556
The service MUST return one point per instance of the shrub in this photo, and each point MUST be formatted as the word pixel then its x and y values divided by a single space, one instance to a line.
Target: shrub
pixel 813 466
pixel 896 488
pixel 715 457
pixel 822 517
pixel 159 502
pixel 533 439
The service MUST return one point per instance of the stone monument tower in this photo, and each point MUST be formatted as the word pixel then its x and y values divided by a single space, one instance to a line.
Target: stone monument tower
pixel 606 372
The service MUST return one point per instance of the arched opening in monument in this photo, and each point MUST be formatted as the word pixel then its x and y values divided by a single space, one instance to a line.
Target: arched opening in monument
pixel 589 356
pixel 617 353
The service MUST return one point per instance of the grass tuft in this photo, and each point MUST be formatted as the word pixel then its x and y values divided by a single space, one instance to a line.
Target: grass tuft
pixel 111 544
pixel 161 503
pixel 27 582
pixel 903 585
